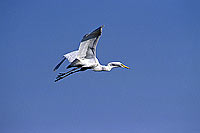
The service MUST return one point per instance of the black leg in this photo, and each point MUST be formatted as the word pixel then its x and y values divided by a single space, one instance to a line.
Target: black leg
pixel 61 74
pixel 69 73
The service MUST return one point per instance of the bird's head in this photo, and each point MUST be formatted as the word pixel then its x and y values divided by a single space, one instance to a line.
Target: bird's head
pixel 117 64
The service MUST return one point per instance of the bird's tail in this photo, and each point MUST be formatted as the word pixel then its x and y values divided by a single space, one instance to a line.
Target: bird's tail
pixel 59 64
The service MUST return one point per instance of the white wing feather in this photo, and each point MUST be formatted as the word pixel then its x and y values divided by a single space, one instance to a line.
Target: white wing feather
pixel 87 48
pixel 71 56
pixel 84 47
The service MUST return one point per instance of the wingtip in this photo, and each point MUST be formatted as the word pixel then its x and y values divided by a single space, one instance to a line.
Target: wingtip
pixel 101 27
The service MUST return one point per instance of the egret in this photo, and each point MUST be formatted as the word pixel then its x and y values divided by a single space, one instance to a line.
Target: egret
pixel 85 57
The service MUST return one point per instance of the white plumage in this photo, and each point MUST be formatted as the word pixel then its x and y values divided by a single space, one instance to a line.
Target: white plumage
pixel 71 56
pixel 85 57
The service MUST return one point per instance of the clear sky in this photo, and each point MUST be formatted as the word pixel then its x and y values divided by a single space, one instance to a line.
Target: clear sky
pixel 158 39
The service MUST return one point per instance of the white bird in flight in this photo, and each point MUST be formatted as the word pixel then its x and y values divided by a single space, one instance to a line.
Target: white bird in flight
pixel 85 57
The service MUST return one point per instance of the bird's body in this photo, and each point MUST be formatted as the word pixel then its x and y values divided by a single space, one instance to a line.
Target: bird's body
pixel 85 57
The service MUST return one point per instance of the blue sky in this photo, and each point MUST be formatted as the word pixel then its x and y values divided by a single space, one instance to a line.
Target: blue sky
pixel 159 41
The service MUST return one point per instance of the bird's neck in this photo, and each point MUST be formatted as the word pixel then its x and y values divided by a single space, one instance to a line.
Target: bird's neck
pixel 103 67
pixel 107 67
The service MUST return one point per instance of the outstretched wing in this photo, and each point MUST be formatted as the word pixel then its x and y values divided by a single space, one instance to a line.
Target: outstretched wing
pixel 57 66
pixel 69 56
pixel 87 48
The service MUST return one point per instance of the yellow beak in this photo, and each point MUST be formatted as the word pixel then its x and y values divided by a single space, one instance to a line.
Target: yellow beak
pixel 125 66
